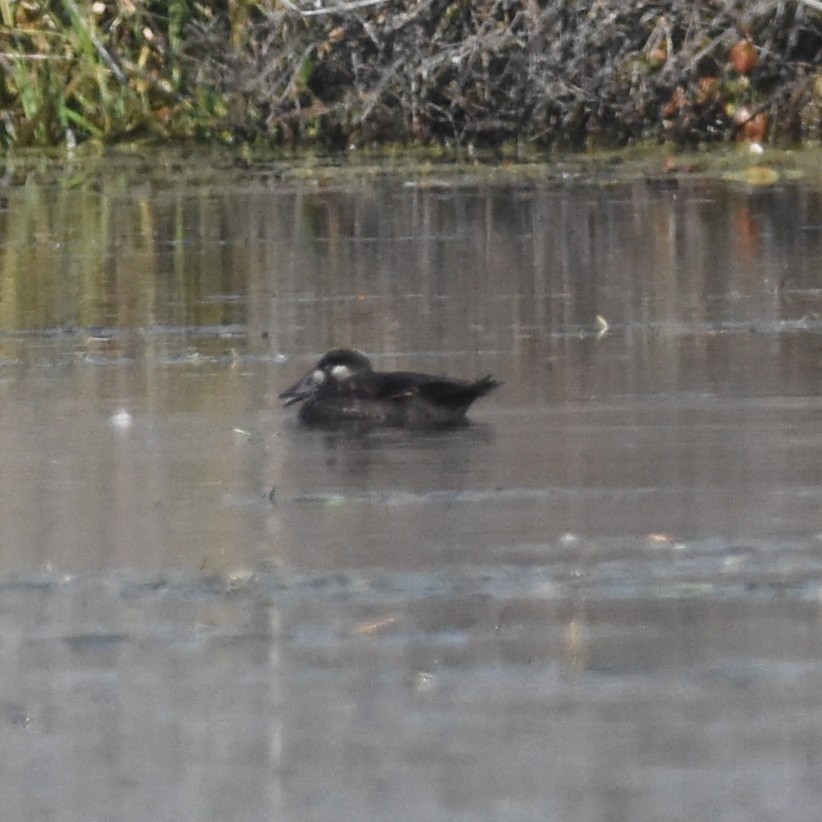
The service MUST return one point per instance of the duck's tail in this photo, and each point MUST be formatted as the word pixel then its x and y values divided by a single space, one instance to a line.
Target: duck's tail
pixel 485 385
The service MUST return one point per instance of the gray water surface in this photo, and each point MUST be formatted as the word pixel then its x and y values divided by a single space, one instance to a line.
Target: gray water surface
pixel 602 600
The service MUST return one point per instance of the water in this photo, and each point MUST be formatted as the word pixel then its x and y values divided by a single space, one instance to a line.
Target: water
pixel 599 601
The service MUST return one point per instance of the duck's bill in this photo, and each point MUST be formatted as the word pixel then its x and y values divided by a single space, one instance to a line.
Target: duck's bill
pixel 290 399
pixel 301 390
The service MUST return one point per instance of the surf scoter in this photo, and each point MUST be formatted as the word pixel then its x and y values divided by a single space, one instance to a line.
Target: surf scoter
pixel 342 387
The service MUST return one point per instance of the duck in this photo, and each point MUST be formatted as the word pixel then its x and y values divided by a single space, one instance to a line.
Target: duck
pixel 344 388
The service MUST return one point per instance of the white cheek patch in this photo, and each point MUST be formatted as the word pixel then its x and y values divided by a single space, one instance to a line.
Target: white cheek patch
pixel 318 377
pixel 340 372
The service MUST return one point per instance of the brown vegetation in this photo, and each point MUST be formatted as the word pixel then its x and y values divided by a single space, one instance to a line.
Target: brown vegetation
pixel 546 72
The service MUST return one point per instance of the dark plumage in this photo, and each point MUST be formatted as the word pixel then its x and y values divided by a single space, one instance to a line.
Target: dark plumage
pixel 342 387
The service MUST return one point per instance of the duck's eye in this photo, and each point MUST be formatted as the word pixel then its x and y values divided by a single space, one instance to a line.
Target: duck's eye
pixel 340 372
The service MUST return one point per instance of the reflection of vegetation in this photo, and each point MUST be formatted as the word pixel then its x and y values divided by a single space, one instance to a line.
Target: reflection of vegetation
pixel 115 244
pixel 381 70
pixel 172 237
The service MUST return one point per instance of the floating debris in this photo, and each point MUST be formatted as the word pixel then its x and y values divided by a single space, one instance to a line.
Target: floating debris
pixel 374 626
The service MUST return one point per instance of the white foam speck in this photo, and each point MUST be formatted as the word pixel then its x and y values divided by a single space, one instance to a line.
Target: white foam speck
pixel 121 420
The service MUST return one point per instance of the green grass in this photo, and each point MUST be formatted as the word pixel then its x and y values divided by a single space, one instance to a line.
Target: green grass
pixel 74 70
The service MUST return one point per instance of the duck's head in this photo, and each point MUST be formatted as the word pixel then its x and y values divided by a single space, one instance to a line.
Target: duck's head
pixel 333 369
